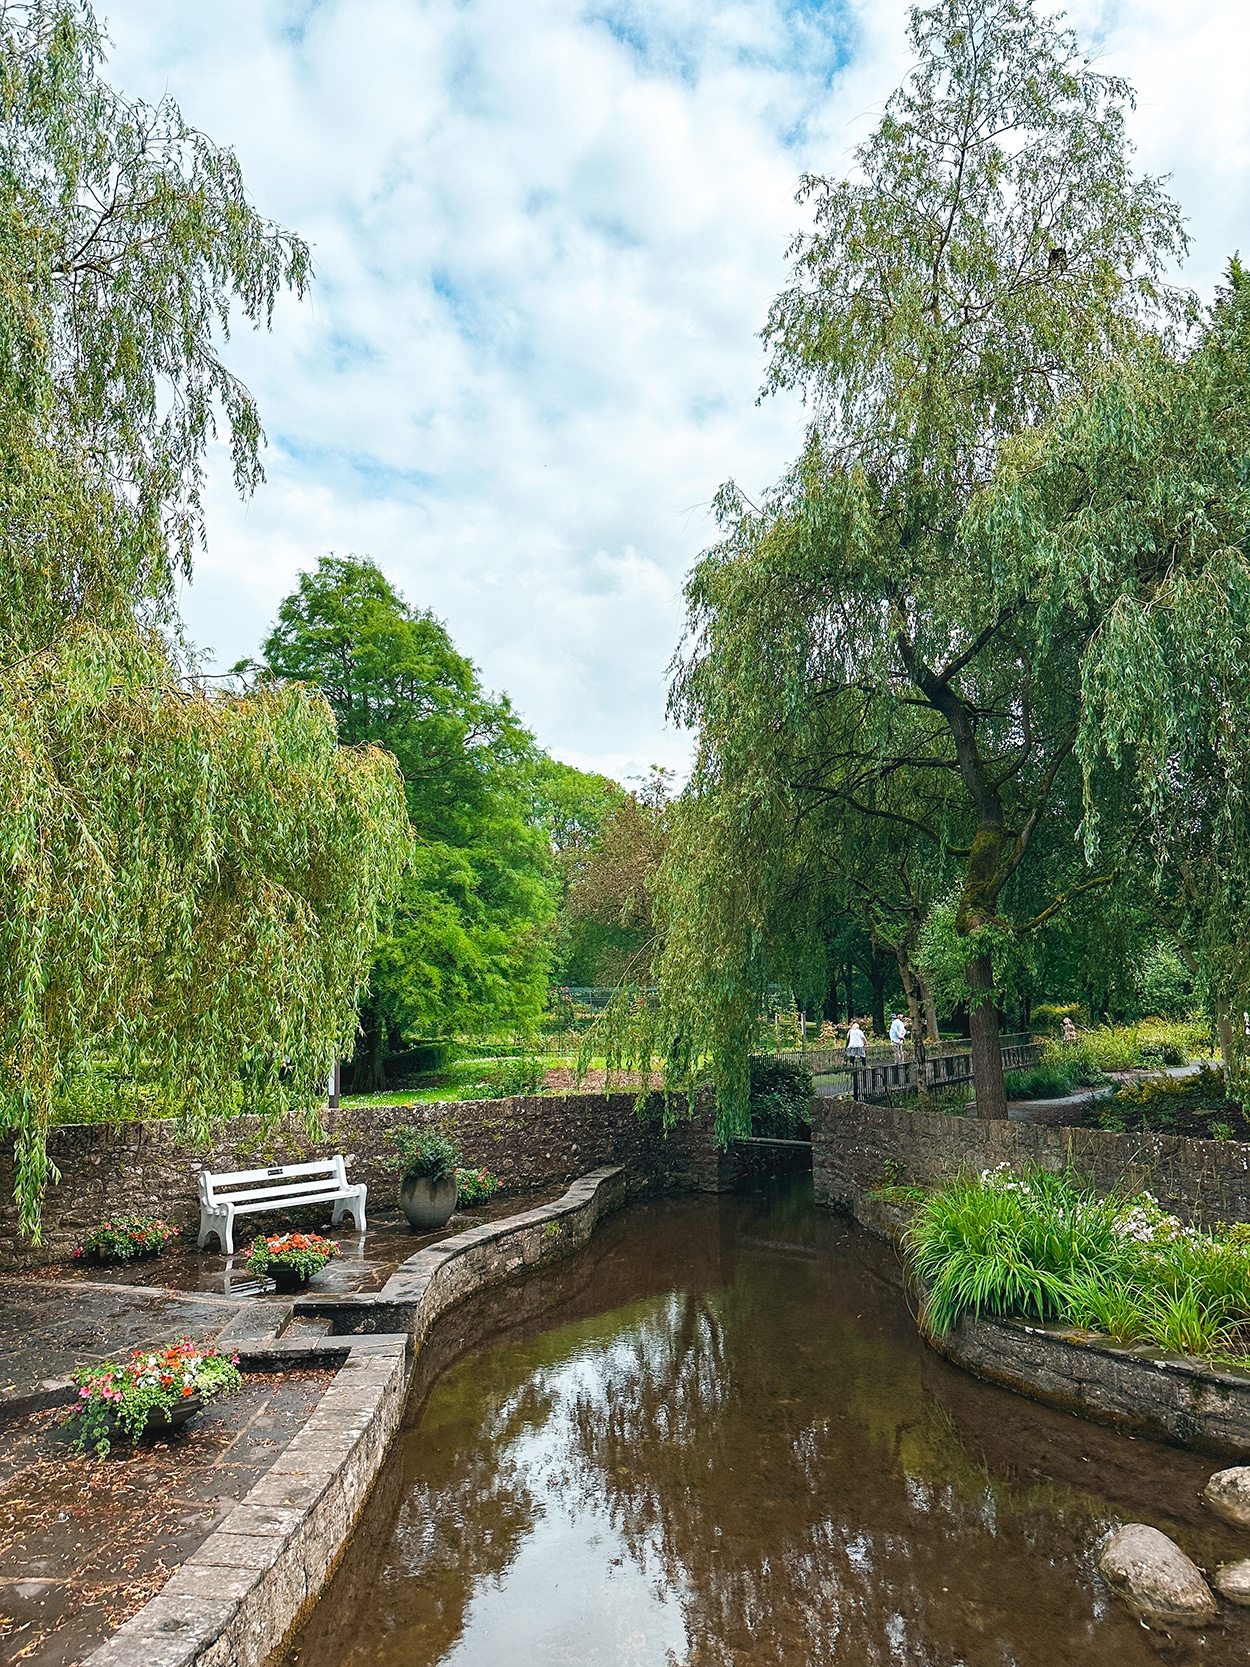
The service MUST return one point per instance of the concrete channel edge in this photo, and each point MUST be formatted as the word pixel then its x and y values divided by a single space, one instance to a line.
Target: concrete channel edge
pixel 238 1597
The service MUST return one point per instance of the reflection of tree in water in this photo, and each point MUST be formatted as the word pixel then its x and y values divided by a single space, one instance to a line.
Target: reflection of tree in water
pixel 795 1483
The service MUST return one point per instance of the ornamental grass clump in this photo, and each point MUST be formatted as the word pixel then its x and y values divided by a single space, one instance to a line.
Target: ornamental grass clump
pixel 299 1254
pixel 1049 1247
pixel 125 1239
pixel 143 1392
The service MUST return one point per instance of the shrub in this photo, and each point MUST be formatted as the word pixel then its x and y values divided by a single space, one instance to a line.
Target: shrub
pixel 125 1239
pixel 122 1397
pixel 300 1253
pixel 1047 1247
pixel 781 1096
pixel 422 1155
pixel 475 1186
pixel 1049 1015
pixel 524 1075
pixel 1048 1081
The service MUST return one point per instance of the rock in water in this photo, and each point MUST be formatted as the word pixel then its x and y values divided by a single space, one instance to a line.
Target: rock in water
pixel 1233 1580
pixel 1228 1494
pixel 1155 1578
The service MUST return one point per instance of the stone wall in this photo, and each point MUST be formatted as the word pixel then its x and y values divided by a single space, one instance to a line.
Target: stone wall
pixel 1202 1181
pixel 529 1142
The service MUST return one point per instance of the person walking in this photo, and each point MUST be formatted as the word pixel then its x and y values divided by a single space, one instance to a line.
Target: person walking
pixel 856 1044
pixel 898 1035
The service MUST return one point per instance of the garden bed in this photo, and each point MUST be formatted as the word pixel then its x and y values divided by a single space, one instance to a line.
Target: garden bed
pixel 85 1543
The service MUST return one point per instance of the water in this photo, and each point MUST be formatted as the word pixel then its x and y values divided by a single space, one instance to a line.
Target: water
pixel 714 1438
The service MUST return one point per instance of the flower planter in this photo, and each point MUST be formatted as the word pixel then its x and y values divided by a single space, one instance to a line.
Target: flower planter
pixel 162 1420
pixel 287 1279
pixel 427 1205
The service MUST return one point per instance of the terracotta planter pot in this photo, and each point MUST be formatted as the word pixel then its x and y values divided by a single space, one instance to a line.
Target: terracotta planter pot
pixel 428 1205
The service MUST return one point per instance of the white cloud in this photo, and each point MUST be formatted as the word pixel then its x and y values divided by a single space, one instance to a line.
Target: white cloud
pixel 546 236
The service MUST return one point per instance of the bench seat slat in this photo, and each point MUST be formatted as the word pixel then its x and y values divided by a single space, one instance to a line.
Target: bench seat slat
pixel 300 1189
pixel 274 1201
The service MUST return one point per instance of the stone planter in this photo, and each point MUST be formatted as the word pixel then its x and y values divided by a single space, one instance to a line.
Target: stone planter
pixel 427 1205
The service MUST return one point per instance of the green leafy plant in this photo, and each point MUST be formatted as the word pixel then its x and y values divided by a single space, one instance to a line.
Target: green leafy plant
pixel 1049 1081
pixel 1049 1247
pixel 423 1155
pixel 303 1254
pixel 525 1075
pixel 781 1096
pixel 476 1186
pixel 125 1239
pixel 122 1398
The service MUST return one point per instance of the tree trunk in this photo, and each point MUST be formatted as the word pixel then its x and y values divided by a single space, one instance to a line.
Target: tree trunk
pixel 370 1056
pixel 850 991
pixel 876 978
pixel 1225 1027
pixel 930 1011
pixel 987 1056
pixel 911 989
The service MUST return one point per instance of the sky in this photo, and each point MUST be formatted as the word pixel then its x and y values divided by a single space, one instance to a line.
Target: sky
pixel 546 235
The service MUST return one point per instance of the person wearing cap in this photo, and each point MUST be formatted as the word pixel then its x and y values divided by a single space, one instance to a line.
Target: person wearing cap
pixel 898 1035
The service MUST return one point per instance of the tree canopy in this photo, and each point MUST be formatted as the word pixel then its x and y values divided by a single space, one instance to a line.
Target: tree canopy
pixel 192 881
pixel 473 936
pixel 924 625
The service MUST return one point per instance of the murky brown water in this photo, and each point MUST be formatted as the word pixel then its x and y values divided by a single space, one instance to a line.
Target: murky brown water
pixel 714 1438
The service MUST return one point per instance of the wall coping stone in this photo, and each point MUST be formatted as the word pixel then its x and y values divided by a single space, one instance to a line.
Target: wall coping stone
pixel 238 1597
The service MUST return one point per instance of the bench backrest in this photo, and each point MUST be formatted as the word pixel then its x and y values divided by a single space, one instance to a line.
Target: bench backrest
pixel 279 1181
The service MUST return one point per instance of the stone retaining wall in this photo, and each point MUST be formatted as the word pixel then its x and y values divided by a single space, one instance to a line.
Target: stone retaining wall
pixel 238 1597
pixel 854 1146
pixel 528 1141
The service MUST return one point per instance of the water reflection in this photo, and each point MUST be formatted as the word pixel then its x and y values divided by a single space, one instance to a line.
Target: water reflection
pixel 733 1450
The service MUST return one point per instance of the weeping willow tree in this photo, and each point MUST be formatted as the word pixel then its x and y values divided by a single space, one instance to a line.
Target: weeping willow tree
pixel 190 883
pixel 870 633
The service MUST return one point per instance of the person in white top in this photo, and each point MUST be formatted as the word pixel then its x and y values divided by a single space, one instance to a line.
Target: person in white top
pixel 898 1035
pixel 856 1044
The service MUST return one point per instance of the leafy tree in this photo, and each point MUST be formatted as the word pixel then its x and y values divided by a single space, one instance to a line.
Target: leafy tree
pixel 863 634
pixel 191 882
pixel 473 935
pixel 608 905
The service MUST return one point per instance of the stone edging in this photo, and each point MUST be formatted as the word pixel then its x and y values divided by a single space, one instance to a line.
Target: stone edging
pixel 1141 1390
pixel 239 1595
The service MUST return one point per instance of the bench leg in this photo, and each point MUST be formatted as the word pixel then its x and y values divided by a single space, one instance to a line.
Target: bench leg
pixel 353 1207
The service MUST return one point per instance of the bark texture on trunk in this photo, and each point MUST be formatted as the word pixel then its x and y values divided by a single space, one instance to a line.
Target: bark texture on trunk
pixel 930 1010
pixel 987 1056
pixel 911 989
pixel 369 1076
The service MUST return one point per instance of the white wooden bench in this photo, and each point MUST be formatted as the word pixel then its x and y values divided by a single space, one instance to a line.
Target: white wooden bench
pixel 245 1191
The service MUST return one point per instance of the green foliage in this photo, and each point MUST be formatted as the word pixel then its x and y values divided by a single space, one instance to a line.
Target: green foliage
pixel 1048 1247
pixel 879 669
pixel 125 1239
pixel 303 1254
pixel 781 1096
pixel 1040 1082
pixel 476 1186
pixel 1049 1015
pixel 423 1155
pixel 120 1398
pixel 190 883
pixel 472 937
pixel 525 1075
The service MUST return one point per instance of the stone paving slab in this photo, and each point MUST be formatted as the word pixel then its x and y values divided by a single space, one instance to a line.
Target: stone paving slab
pixel 84 1543
pixel 49 1328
